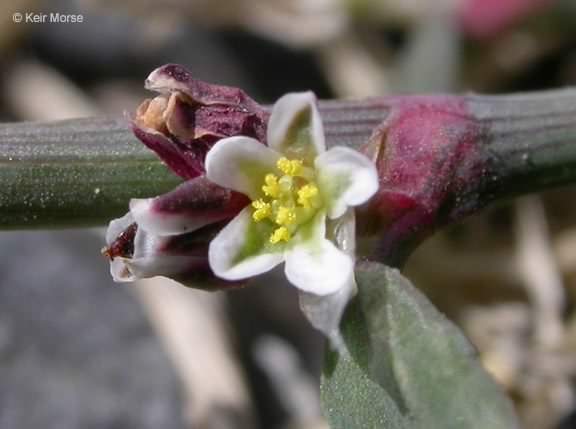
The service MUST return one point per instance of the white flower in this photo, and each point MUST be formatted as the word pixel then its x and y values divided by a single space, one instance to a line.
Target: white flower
pixel 300 212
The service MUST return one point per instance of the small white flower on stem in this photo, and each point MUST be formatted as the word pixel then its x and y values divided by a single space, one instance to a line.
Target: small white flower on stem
pixel 300 212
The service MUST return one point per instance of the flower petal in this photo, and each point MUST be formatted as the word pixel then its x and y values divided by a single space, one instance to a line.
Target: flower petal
pixel 119 270
pixel 191 270
pixel 314 264
pixel 240 163
pixel 242 249
pixel 320 269
pixel 342 232
pixel 346 178
pixel 183 258
pixel 192 205
pixel 146 260
pixel 295 127
pixel 325 312
pixel 118 226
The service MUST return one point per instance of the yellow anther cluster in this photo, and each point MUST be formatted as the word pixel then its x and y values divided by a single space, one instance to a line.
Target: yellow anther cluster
pixel 290 167
pixel 285 215
pixel 308 196
pixel 289 199
pixel 271 187
pixel 262 210
pixel 280 234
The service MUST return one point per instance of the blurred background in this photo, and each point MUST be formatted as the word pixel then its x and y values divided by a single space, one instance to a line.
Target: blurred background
pixel 77 351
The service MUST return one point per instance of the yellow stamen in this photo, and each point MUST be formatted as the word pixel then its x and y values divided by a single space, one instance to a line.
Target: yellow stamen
pixel 289 167
pixel 280 234
pixel 308 196
pixel 289 199
pixel 285 216
pixel 271 187
pixel 263 210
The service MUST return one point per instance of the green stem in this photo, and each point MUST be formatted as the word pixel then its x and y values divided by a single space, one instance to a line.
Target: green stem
pixel 532 138
pixel 83 172
pixel 73 173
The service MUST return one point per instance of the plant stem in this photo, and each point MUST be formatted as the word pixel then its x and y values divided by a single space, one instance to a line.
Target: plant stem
pixel 532 139
pixel 83 172
pixel 73 173
pixel 442 158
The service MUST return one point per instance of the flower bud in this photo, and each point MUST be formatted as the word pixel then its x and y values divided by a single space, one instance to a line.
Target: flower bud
pixel 169 235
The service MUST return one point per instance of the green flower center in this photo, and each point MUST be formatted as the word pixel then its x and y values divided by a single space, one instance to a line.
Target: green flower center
pixel 289 200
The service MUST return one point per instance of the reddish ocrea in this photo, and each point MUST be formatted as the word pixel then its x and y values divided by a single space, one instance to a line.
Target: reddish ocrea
pixel 428 156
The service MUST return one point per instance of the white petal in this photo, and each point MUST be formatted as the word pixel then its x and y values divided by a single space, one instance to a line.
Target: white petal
pixel 147 244
pixel 117 226
pixel 240 163
pixel 151 259
pixel 160 265
pixel 325 312
pixel 318 267
pixel 128 270
pixel 242 249
pixel 119 270
pixel 146 247
pixel 346 177
pixel 162 223
pixel 285 116
pixel 146 218
pixel 342 232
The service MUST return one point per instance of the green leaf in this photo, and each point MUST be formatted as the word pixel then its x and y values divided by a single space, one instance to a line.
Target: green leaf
pixel 408 366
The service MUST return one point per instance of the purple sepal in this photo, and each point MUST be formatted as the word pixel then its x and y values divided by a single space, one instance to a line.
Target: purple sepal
pixel 185 163
pixel 190 116
pixel 196 273
pixel 191 206
pixel 201 198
